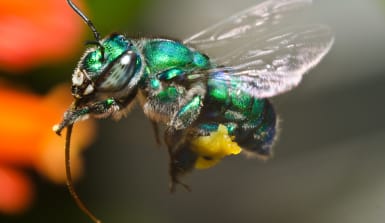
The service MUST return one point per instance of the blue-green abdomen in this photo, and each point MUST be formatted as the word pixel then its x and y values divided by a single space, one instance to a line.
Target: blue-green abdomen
pixel 252 121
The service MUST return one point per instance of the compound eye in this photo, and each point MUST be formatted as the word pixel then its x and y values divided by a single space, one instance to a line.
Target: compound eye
pixel 126 59
pixel 119 72
pixel 93 62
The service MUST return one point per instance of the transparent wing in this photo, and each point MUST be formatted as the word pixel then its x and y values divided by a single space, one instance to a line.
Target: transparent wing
pixel 264 48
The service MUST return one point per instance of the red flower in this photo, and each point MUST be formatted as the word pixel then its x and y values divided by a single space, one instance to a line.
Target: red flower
pixel 16 190
pixel 27 140
pixel 33 32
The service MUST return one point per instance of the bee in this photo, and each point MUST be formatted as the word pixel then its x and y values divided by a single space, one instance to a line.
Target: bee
pixel 210 91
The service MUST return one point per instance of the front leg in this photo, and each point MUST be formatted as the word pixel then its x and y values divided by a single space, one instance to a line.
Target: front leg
pixel 187 114
pixel 98 109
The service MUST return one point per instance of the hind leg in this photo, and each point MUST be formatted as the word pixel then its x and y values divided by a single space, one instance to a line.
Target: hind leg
pixel 208 140
pixel 198 147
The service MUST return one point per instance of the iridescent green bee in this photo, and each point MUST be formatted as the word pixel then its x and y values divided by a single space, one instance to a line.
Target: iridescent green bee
pixel 209 90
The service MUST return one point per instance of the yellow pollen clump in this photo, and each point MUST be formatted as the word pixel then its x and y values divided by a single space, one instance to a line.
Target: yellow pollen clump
pixel 211 149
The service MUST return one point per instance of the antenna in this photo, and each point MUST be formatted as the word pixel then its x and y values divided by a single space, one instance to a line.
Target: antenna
pixel 70 185
pixel 86 20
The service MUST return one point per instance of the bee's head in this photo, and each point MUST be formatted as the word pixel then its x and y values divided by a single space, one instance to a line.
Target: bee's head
pixel 107 67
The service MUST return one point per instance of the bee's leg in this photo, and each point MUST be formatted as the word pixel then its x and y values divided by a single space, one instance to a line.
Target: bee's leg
pixel 182 158
pixel 74 114
pixel 155 128
pixel 101 109
pixel 190 109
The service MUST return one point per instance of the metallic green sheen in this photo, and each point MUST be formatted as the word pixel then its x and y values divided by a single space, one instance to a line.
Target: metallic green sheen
pixel 212 127
pixel 208 127
pixel 189 110
pixel 170 74
pixel 218 91
pixel 240 100
pixel 114 47
pixel 169 94
pixel 219 94
pixel 201 60
pixel 258 106
pixel 192 106
pixel 110 101
pixel 231 127
pixel 162 55
pixel 155 84
pixel 92 62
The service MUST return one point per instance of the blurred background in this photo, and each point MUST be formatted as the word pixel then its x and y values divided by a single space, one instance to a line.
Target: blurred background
pixel 328 162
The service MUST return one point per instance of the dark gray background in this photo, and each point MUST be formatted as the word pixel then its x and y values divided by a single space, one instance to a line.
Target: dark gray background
pixel 329 161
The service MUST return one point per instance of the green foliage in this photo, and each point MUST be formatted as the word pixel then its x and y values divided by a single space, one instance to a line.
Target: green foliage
pixel 117 15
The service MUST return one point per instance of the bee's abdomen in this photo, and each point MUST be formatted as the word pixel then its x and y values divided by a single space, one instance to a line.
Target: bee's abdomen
pixel 257 134
pixel 251 121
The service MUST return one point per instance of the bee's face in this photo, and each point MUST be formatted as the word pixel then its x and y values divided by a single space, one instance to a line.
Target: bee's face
pixel 105 68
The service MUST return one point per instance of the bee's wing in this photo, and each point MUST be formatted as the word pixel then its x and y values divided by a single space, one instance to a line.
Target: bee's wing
pixel 262 49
